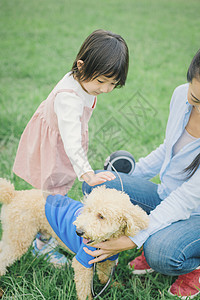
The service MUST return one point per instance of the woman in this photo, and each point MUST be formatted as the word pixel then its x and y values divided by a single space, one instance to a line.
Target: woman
pixel 171 243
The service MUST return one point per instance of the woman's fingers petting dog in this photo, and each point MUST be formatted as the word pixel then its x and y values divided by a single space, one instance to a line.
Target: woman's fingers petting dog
pixel 110 248
pixel 98 254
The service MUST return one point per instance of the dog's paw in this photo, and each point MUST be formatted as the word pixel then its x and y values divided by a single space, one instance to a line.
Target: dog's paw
pixel 103 278
pixel 2 270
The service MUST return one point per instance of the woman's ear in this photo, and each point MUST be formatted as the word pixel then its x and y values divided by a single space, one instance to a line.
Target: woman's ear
pixel 79 64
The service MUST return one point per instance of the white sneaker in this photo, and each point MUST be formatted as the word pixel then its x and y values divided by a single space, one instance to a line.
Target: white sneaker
pixel 59 260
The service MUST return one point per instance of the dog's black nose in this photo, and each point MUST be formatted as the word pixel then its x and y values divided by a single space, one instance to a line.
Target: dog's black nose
pixel 79 232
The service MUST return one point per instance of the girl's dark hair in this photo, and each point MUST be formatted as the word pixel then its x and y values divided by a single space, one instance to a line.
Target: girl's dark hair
pixel 193 72
pixel 104 54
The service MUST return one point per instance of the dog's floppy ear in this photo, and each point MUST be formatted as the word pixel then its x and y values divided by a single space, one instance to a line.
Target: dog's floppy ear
pixel 136 219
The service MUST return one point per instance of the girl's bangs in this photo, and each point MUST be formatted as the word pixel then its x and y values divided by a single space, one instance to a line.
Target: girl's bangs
pixel 116 71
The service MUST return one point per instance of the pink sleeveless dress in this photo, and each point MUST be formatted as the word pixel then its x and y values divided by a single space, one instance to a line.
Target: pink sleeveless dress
pixel 41 159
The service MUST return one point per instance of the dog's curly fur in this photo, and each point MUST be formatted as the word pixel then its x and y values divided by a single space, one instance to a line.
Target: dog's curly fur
pixel 107 213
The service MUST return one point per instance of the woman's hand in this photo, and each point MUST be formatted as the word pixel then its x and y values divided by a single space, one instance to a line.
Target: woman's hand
pixel 109 248
pixel 93 179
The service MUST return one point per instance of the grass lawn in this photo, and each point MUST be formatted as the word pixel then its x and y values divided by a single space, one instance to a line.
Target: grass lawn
pixel 39 41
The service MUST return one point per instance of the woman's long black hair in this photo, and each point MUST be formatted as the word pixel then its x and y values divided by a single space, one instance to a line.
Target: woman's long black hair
pixel 193 72
pixel 191 169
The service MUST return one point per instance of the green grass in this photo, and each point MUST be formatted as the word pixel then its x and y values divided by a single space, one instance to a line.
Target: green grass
pixel 39 41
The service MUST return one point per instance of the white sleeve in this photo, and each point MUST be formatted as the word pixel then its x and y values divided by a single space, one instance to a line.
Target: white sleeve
pixel 179 205
pixel 69 108
pixel 149 166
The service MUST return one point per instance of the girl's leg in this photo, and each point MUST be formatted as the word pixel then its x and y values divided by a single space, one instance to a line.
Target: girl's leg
pixel 141 191
pixel 175 250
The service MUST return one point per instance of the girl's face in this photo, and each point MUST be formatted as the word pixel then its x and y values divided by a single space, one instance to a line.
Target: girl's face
pixel 99 85
pixel 194 93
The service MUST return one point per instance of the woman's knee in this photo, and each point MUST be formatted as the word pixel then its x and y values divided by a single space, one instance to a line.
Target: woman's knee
pixel 175 250
pixel 157 257
pixel 163 256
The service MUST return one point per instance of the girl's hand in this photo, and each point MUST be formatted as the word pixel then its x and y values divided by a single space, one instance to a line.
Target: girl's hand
pixel 109 248
pixel 93 179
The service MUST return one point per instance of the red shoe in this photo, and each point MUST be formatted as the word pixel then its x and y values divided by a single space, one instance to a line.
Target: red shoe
pixel 140 265
pixel 186 286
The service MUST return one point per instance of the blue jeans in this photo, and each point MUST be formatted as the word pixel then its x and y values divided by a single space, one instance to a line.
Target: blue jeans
pixel 174 250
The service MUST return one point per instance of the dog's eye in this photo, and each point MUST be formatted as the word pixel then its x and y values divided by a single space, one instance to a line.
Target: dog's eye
pixel 100 216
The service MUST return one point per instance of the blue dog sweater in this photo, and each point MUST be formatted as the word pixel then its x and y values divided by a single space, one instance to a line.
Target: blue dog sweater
pixel 61 212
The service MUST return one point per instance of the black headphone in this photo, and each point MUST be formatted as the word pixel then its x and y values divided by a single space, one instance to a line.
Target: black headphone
pixel 121 161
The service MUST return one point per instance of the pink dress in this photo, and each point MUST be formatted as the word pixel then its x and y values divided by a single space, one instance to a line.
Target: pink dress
pixel 41 159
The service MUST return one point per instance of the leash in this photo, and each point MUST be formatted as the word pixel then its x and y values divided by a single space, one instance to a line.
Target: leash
pixel 107 283
pixel 114 267
pixel 117 175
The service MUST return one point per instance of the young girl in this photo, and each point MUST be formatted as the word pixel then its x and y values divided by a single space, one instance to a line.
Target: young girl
pixel 171 243
pixel 53 148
